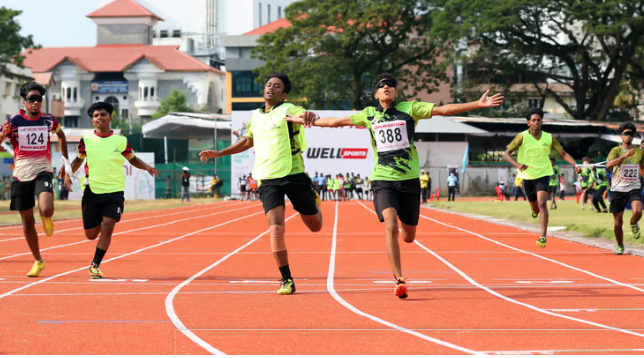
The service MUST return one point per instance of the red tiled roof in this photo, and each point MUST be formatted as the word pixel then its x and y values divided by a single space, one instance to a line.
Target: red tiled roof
pixel 113 58
pixel 46 78
pixel 270 27
pixel 123 8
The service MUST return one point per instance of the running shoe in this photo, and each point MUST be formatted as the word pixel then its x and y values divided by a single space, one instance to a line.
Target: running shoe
pixel 636 231
pixel 36 268
pixel 542 242
pixel 48 225
pixel 401 288
pixel 533 214
pixel 95 273
pixel 619 250
pixel 318 201
pixel 288 287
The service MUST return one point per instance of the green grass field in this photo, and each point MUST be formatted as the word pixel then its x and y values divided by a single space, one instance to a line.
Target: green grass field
pixel 569 214
pixel 71 209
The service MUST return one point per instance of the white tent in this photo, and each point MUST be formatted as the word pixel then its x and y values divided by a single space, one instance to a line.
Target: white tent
pixel 188 126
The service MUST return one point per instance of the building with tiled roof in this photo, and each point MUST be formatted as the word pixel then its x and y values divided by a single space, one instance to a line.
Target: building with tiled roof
pixel 124 68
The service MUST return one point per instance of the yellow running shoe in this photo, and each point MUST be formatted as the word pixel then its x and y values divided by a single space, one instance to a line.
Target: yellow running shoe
pixel 95 273
pixel 48 225
pixel 318 201
pixel 288 287
pixel 542 242
pixel 36 268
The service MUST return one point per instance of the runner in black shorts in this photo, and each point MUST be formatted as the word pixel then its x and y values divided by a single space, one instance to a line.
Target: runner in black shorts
pixel 396 174
pixel 33 174
pixel 627 166
pixel 279 167
pixel 535 166
pixel 242 187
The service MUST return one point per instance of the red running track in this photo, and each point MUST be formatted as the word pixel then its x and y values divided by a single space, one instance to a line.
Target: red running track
pixel 201 279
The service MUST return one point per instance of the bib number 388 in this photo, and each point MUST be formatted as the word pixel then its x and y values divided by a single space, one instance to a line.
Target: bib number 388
pixel 391 136
pixel 629 172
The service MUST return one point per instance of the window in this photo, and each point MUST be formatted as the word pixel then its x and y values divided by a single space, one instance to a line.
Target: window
pixel 71 122
pixel 125 114
pixel 151 93
pixel 279 12
pixel 222 94
pixel 260 14
pixel 268 13
pixel 244 84
pixel 534 103
pixel 69 94
pixel 75 94
pixel 7 89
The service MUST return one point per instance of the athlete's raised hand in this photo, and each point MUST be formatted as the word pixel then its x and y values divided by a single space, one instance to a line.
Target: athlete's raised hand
pixel 494 101
pixel 523 167
pixel 206 154
pixel 295 119
pixel 630 152
pixel 153 171
pixel 6 130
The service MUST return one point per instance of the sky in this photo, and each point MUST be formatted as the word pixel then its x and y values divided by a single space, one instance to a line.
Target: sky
pixel 63 23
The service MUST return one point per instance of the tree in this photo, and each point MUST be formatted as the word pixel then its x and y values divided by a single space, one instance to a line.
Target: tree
pixel 335 47
pixel 586 45
pixel 175 102
pixel 12 42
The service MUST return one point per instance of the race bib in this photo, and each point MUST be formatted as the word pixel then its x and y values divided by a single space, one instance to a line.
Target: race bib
pixel 628 172
pixel 391 136
pixel 33 139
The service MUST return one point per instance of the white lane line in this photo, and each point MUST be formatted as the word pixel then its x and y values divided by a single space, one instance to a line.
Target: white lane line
pixel 128 254
pixel 353 309
pixel 169 300
pixel 537 255
pixel 475 283
pixel 123 221
pixel 129 231
pixel 409 281
pixel 544 282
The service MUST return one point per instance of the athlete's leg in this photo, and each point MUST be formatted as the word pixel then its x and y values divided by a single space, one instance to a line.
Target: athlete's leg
pixel 46 204
pixel 92 234
pixel 277 227
pixel 313 222
pixel 619 232
pixel 408 232
pixel 29 229
pixel 637 212
pixel 391 240
pixel 542 203
pixel 553 193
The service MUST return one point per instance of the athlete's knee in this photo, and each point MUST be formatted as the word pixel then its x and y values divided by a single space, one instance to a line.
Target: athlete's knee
pixel 409 237
pixel 47 212
pixel 92 234
pixel 278 243
pixel 108 226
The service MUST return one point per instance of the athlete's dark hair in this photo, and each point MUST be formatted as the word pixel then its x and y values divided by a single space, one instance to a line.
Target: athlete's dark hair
pixel 282 76
pixel 531 111
pixel 98 106
pixel 380 77
pixel 31 86
pixel 627 125
pixel 585 159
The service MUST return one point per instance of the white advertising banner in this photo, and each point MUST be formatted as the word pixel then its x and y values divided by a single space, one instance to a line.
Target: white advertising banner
pixel 328 150
pixel 139 184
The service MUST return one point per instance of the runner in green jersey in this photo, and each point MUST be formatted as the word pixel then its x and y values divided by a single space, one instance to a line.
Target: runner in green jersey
pixel 535 168
pixel 554 183
pixel 279 167
pixel 103 195
pixel 627 165
pixel 395 175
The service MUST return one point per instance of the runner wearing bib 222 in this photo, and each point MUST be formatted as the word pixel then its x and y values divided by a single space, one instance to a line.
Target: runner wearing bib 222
pixel 395 175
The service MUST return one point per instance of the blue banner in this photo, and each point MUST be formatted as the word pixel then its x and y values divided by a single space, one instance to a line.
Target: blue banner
pixel 110 87
pixel 467 150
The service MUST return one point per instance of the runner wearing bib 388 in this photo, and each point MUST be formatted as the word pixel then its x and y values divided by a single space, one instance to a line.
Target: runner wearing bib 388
pixel 627 164
pixel 395 176
pixel 535 168
pixel 279 167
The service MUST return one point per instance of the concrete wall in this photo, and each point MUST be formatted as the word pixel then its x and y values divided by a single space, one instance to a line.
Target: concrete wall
pixel 166 86
pixel 120 34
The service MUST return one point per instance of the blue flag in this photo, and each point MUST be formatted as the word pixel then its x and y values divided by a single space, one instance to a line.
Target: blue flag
pixel 467 150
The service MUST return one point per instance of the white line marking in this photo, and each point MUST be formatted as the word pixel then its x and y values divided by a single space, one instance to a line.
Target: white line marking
pixel 129 231
pixel 128 254
pixel 475 283
pixel 536 255
pixel 408 281
pixel 250 281
pixel 334 294
pixel 169 304
pixel 139 280
pixel 124 221
pixel 545 282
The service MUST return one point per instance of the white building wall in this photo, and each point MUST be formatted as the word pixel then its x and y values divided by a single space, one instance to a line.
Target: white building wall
pixel 10 101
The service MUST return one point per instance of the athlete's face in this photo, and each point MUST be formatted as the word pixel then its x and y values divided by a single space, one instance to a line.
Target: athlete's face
pixel 535 122
pixel 101 119
pixel 33 102
pixel 627 136
pixel 274 90
pixel 386 91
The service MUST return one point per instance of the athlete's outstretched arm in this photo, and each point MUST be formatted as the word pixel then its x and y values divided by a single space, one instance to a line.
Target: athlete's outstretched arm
pixel 6 131
pixel 139 164
pixel 322 122
pixel 567 157
pixel 618 160
pixel 483 102
pixel 75 164
pixel 241 145
pixel 62 141
pixel 507 155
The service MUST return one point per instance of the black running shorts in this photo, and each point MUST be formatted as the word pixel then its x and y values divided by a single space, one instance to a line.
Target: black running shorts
pixel 23 192
pixel 297 187
pixel 531 187
pixel 618 199
pixel 97 206
pixel 404 196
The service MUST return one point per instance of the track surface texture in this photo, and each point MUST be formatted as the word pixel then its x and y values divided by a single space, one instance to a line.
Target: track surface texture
pixel 201 279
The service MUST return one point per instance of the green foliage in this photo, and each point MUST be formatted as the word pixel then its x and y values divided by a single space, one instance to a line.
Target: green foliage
pixel 586 45
pixel 175 102
pixel 12 42
pixel 334 49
